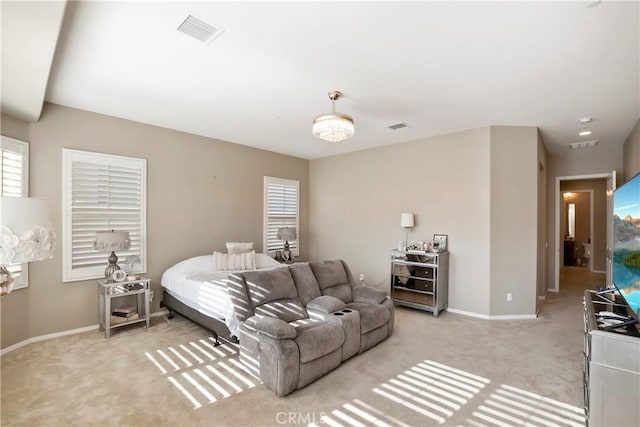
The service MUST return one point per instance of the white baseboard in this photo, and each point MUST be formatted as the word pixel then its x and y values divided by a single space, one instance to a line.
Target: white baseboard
pixel 599 271
pixel 493 317
pixel 513 316
pixel 64 333
pixel 47 337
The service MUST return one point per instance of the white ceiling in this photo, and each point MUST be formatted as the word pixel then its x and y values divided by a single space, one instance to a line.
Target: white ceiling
pixel 440 67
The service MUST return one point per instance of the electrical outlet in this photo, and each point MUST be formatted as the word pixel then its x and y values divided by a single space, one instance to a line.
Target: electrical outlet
pixel 361 277
pixel 509 296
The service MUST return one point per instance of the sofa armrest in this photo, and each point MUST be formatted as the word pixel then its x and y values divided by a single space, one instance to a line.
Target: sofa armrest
pixel 272 327
pixel 326 304
pixel 368 295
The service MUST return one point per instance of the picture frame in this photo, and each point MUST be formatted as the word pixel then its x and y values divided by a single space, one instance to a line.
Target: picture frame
pixel 440 242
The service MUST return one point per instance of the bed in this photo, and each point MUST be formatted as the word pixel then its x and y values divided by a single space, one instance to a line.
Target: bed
pixel 195 290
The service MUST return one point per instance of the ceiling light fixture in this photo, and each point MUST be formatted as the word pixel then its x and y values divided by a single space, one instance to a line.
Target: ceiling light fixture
pixel 585 120
pixel 333 127
pixel 584 144
pixel 585 132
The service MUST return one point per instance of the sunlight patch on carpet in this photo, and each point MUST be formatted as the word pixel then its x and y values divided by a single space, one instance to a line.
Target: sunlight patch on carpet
pixel 202 372
pixel 430 389
pixel 508 406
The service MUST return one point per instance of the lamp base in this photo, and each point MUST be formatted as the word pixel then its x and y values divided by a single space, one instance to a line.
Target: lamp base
pixel 111 268
pixel 286 253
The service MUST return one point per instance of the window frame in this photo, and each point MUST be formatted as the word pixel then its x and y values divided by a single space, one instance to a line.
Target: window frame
pixel 295 247
pixel 69 156
pixel 20 280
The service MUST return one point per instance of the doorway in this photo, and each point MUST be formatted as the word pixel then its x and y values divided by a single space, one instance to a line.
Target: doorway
pixel 590 226
pixel 576 225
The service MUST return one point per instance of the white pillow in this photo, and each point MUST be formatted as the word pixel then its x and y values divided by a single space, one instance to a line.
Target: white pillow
pixel 238 248
pixel 226 262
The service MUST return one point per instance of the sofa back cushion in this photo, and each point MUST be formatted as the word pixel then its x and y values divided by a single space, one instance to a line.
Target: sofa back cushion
pixel 333 279
pixel 273 293
pixel 306 283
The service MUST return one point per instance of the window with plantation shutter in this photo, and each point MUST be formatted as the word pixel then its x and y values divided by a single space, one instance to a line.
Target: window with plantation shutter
pixel 14 182
pixel 102 192
pixel 281 209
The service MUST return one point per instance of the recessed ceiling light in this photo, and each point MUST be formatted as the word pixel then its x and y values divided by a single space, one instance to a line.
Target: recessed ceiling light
pixel 584 144
pixel 585 120
pixel 585 132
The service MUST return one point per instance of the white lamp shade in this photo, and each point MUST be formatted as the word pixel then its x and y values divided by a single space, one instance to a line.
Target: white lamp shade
pixel 25 233
pixel 406 220
pixel 110 241
pixel 287 233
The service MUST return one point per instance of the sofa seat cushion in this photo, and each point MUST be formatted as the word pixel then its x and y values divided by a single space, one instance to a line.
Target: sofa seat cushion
pixel 316 339
pixel 332 279
pixel 372 316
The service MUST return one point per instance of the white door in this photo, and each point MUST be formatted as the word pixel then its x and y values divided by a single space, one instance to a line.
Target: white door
pixel 611 185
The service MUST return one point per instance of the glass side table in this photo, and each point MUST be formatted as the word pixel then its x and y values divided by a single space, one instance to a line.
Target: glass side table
pixel 109 292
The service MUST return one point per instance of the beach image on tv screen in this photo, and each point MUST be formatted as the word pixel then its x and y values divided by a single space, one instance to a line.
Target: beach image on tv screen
pixel 626 242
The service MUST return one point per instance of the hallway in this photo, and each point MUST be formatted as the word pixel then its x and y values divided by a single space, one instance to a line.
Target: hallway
pixel 578 279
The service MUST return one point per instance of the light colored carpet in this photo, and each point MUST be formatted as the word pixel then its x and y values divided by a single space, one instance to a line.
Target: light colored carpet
pixel 452 371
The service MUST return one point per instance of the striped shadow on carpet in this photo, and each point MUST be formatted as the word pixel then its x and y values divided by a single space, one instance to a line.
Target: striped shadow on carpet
pixel 202 372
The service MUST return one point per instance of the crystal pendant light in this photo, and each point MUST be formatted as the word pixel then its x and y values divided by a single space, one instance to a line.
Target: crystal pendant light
pixel 333 127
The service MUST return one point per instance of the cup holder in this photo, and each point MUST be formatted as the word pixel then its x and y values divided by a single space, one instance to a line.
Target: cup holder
pixel 338 314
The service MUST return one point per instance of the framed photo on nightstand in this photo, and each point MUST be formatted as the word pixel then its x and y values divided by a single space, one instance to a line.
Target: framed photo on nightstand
pixel 440 243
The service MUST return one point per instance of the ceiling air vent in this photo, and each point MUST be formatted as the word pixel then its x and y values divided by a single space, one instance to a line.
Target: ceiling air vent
pixel 584 144
pixel 398 126
pixel 199 29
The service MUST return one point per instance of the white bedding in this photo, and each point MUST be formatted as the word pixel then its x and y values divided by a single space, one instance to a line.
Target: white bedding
pixel 195 282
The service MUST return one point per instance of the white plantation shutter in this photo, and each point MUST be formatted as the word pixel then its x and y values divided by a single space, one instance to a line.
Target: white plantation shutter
pixel 102 192
pixel 281 209
pixel 14 182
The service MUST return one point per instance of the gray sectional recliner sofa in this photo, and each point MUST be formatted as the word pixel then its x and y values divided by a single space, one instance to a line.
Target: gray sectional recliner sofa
pixel 301 321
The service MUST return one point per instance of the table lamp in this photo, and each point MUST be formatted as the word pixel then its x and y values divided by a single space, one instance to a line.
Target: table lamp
pixel 111 241
pixel 406 221
pixel 286 234
pixel 26 235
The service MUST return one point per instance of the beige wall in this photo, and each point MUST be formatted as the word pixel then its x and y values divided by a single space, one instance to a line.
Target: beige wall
pixel 357 198
pixel 631 150
pixel 542 216
pixel 598 160
pixel 201 193
pixel 514 220
pixel 454 184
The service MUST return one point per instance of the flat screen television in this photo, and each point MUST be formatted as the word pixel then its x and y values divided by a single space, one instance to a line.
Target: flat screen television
pixel 626 243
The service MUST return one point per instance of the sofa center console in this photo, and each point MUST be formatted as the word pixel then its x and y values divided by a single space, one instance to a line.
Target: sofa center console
pixel 350 321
